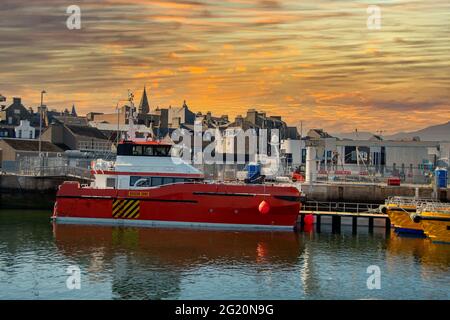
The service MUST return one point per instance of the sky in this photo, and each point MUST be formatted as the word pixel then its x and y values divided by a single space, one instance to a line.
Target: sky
pixel 314 61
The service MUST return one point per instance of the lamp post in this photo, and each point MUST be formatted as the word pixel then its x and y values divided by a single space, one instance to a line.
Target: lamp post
pixel 40 128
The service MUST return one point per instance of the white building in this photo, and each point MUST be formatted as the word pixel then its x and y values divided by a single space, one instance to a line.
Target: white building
pixel 411 160
pixel 24 130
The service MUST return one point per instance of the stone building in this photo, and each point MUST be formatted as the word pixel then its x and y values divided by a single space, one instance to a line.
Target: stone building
pixel 15 112
pixel 82 138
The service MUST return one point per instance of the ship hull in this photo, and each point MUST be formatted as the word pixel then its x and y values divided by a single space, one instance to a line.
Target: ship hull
pixel 436 226
pixel 198 205
pixel 402 222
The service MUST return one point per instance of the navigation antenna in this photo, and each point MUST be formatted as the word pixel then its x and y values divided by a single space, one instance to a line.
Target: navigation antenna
pixel 131 117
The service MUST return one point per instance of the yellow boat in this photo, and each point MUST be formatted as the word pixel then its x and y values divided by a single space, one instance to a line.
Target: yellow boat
pixel 399 210
pixel 435 220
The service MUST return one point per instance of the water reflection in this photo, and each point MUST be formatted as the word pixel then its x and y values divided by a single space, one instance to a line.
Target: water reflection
pixel 148 263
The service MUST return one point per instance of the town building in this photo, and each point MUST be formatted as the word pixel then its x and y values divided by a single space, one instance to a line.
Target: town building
pixel 116 132
pixel 12 150
pixel 15 112
pixel 411 160
pixel 24 130
pixel 82 138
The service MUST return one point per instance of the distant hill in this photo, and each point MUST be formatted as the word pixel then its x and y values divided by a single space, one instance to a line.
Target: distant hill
pixel 439 132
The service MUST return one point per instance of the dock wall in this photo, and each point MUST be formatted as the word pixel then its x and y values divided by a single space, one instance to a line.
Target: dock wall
pixel 363 193
pixel 27 192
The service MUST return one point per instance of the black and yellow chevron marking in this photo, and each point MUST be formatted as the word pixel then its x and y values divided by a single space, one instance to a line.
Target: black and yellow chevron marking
pixel 125 209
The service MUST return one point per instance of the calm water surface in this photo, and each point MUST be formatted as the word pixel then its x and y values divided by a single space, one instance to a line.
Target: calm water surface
pixel 145 263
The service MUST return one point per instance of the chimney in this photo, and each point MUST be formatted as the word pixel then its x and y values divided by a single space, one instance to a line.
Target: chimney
pixel 239 120
pixel 17 100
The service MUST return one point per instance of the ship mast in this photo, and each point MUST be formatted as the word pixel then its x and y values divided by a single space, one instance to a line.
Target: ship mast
pixel 131 117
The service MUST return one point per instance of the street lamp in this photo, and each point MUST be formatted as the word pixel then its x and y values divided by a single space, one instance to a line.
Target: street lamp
pixel 40 129
pixel 40 119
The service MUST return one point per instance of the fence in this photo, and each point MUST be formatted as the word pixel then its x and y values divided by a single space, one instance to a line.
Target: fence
pixel 341 207
pixel 377 174
pixel 53 167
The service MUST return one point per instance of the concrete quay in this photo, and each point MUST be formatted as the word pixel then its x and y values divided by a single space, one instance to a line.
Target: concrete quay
pixel 366 193
pixel 30 192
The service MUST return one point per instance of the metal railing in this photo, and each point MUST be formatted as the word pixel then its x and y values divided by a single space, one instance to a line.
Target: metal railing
pixel 63 171
pixel 341 207
pixel 51 167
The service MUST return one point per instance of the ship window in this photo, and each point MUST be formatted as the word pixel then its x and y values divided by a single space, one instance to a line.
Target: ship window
pixel 157 181
pixel 137 150
pixel 110 182
pixel 148 151
pixel 136 181
pixel 178 180
pixel 162 151
pixel 124 150
pixel 168 180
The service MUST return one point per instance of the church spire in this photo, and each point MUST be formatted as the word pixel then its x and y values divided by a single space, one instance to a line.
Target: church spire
pixel 74 112
pixel 144 107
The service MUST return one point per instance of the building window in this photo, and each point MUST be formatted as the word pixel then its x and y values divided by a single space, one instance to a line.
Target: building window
pixel 350 155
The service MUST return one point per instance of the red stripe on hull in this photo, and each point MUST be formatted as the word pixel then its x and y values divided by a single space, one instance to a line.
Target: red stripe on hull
pixel 203 203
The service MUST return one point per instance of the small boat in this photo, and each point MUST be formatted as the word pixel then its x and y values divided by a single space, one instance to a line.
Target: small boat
pixel 434 218
pixel 399 210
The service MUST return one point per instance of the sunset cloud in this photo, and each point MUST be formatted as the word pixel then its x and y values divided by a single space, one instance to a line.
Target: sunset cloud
pixel 310 61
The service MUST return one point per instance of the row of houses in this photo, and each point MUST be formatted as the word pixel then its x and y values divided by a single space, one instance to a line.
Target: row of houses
pixel 97 133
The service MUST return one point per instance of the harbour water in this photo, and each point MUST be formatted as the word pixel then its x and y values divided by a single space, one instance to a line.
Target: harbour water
pixel 147 263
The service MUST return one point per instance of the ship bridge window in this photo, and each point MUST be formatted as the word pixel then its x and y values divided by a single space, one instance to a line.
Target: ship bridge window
pixel 157 151
pixel 143 150
pixel 142 182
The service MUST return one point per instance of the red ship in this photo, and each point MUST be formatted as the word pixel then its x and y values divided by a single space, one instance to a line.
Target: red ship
pixel 145 186
pixel 149 184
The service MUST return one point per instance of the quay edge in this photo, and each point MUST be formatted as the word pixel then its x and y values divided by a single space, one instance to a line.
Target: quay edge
pixel 366 193
pixel 29 192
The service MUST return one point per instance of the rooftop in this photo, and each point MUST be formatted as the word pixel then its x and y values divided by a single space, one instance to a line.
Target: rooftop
pixel 87 132
pixel 32 145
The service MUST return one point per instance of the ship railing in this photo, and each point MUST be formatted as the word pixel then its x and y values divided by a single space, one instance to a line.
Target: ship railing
pixel 440 207
pixel 409 201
